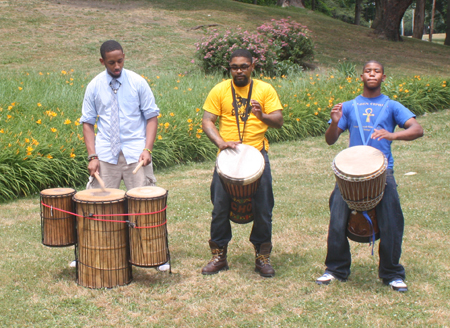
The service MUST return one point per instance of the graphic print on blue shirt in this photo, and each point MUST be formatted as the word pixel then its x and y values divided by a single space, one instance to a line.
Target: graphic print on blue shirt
pixel 369 110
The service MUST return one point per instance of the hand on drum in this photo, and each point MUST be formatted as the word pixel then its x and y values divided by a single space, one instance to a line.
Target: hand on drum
pixel 229 144
pixel 382 134
pixel 336 113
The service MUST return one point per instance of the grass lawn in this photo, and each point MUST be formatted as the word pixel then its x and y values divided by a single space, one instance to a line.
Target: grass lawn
pixel 37 285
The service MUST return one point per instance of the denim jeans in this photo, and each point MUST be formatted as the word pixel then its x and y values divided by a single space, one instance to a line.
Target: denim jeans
pixel 390 222
pixel 262 205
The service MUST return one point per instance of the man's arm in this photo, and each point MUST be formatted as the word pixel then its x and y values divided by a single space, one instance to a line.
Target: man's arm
pixel 209 127
pixel 273 119
pixel 89 141
pixel 150 133
pixel 333 132
pixel 413 130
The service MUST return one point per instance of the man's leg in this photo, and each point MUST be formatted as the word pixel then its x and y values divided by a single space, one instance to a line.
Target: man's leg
pixel 338 258
pixel 391 223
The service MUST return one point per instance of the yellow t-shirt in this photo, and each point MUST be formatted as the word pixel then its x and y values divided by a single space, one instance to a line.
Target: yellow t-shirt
pixel 220 102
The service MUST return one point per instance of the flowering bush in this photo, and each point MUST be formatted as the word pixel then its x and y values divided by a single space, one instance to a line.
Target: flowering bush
pixel 277 47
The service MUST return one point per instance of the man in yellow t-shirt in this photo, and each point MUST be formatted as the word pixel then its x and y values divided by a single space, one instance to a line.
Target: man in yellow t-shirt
pixel 258 108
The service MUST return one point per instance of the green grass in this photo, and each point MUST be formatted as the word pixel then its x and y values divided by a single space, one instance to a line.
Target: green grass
pixel 157 35
pixel 37 284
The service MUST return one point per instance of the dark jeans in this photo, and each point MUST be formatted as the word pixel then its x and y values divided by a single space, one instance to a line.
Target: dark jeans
pixel 262 204
pixel 390 222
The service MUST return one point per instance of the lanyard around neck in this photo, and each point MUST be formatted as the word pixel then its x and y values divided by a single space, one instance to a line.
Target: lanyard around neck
pixel 361 132
pixel 246 112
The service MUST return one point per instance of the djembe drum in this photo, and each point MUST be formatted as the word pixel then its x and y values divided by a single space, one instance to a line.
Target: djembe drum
pixel 361 177
pixel 240 171
pixel 58 228
pixel 148 228
pixel 102 250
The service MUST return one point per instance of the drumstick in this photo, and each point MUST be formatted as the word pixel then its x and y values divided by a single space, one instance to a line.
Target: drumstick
pixel 100 181
pixel 138 167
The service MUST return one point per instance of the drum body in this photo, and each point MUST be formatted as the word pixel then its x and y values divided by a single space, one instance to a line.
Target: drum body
pixel 240 171
pixel 361 177
pixel 148 232
pixel 360 230
pixel 58 228
pixel 102 250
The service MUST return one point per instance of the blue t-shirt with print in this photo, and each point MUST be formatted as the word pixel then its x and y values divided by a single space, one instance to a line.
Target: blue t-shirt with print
pixel 369 110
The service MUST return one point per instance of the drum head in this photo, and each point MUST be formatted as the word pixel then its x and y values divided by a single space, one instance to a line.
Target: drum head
pixel 57 191
pixel 359 161
pixel 146 192
pixel 98 195
pixel 242 165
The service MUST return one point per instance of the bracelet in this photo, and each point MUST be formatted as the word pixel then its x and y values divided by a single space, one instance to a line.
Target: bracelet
pixel 148 150
pixel 93 156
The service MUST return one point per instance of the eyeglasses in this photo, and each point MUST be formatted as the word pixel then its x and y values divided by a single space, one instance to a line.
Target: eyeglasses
pixel 242 67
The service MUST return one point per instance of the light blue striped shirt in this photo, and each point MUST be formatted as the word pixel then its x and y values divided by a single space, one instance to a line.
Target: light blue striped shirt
pixel 136 106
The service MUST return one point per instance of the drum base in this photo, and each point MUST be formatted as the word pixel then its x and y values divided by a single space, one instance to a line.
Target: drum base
pixel 241 210
pixel 359 229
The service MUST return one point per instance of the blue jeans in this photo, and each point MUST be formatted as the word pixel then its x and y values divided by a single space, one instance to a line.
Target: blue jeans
pixel 262 205
pixel 390 222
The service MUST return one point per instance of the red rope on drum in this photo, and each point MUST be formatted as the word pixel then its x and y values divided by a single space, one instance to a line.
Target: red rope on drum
pixel 100 215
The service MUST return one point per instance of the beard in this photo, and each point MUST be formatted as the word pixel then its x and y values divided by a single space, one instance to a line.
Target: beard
pixel 241 83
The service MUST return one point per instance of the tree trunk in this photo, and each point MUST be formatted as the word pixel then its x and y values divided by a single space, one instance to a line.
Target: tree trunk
pixel 378 14
pixel 293 3
pixel 419 19
pixel 358 8
pixel 392 13
pixel 447 30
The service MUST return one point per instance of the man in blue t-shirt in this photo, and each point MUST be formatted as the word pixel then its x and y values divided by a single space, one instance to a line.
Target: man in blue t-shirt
pixel 371 119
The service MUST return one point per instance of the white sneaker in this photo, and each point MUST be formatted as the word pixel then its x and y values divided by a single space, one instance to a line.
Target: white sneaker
pixel 325 279
pixel 73 264
pixel 163 267
pixel 398 285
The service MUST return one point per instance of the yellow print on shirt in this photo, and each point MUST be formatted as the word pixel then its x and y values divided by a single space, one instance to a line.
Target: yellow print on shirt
pixel 242 104
pixel 368 114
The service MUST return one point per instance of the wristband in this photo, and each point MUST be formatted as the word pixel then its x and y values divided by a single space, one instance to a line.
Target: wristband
pixel 148 150
pixel 93 156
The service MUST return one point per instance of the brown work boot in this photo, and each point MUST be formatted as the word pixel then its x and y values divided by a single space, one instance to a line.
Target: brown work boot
pixel 219 260
pixel 262 262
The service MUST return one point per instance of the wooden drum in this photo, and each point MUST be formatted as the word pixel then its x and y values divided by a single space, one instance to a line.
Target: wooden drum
pixel 240 171
pixel 58 228
pixel 361 177
pixel 102 250
pixel 148 232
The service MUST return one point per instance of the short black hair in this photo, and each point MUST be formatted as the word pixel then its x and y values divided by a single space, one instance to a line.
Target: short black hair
pixel 242 53
pixel 373 62
pixel 109 46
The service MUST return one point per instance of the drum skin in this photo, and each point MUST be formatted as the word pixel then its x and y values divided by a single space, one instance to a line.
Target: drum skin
pixel 58 228
pixel 148 233
pixel 240 171
pixel 102 250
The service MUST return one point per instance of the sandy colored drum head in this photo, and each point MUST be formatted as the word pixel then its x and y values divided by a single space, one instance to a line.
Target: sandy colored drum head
pixel 359 161
pixel 242 165
pixel 98 195
pixel 57 191
pixel 146 192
